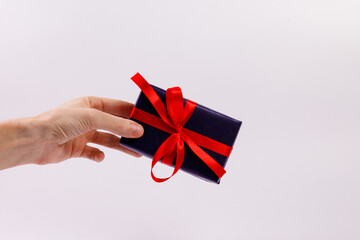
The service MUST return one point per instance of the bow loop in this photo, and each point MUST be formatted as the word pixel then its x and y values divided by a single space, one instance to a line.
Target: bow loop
pixel 175 105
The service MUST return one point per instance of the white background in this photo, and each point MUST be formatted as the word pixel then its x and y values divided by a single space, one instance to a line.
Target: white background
pixel 289 70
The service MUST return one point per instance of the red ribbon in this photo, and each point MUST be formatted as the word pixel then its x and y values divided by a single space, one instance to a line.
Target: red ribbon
pixel 172 119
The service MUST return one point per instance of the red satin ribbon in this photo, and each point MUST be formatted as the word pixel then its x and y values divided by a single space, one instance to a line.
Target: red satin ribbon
pixel 172 119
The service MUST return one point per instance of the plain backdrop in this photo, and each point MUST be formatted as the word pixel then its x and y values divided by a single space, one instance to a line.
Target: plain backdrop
pixel 290 70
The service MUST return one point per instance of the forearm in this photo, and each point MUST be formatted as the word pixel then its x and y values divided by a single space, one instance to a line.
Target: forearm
pixel 19 142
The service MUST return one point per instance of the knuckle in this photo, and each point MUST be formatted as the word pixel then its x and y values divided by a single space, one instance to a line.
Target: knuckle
pixel 93 153
pixel 126 127
pixel 95 102
pixel 89 118
pixel 121 124
pixel 87 99
pixel 81 101
pixel 112 141
pixel 95 137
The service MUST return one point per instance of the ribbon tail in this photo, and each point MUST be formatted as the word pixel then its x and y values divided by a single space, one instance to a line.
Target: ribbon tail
pixel 175 105
pixel 206 158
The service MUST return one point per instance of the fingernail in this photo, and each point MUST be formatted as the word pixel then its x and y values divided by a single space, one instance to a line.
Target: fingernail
pixel 137 129
pixel 99 156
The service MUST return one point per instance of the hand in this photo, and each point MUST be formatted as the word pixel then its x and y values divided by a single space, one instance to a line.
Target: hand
pixel 64 132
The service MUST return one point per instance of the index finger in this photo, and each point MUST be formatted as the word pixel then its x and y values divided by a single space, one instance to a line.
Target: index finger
pixel 114 107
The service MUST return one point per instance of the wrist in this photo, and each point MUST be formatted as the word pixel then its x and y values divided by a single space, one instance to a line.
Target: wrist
pixel 19 141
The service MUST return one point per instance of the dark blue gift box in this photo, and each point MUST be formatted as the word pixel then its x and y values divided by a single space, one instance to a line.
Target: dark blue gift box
pixel 204 121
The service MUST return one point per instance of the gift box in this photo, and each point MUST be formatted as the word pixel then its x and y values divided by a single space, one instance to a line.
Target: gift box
pixel 193 136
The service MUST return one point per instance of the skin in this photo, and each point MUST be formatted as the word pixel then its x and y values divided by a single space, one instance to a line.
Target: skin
pixel 64 132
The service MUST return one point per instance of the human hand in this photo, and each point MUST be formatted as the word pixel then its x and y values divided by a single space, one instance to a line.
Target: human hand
pixel 65 131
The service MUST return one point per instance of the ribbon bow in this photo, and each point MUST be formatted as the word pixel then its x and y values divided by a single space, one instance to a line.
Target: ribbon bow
pixel 172 119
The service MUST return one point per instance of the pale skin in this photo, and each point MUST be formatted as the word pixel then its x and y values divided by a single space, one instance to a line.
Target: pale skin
pixel 64 132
